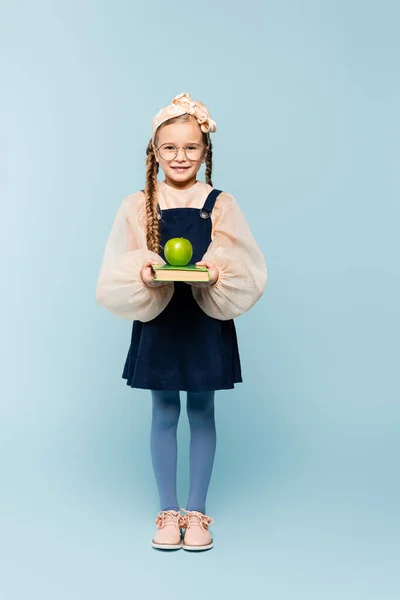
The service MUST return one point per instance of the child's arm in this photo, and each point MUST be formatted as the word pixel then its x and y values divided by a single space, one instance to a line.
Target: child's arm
pixel 241 265
pixel 119 287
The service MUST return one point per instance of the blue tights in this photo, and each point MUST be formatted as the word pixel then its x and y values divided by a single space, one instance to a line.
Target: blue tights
pixel 163 444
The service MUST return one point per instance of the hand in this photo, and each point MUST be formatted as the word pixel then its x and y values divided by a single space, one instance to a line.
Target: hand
pixel 147 274
pixel 214 274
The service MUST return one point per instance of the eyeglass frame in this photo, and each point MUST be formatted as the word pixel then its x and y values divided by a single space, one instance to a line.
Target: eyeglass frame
pixel 177 151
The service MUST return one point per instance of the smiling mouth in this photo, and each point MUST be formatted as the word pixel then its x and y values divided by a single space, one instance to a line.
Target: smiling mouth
pixel 180 168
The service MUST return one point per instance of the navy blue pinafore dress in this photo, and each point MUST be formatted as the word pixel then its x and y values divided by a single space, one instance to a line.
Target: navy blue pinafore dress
pixel 183 348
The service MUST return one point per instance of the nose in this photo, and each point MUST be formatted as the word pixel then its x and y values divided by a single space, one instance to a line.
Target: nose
pixel 181 155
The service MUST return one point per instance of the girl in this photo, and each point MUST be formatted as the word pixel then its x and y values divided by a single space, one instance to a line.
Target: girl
pixel 183 335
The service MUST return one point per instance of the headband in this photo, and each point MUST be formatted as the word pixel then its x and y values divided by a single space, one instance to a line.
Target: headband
pixel 181 105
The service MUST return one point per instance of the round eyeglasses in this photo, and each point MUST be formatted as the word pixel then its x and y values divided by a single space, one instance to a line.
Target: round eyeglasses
pixel 170 152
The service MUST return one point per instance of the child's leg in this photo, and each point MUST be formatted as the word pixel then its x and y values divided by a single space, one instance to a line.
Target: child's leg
pixel 200 409
pixel 163 445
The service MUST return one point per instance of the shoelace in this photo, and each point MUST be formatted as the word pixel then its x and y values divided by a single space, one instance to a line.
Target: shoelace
pixel 167 517
pixel 196 519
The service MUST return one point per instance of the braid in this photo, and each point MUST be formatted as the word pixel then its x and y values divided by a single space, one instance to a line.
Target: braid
pixel 152 226
pixel 209 164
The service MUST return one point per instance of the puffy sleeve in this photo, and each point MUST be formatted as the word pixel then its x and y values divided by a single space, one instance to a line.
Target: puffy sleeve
pixel 242 268
pixel 119 286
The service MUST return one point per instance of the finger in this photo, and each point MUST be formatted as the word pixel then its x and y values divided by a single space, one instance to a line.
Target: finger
pixel 149 262
pixel 205 263
pixel 155 283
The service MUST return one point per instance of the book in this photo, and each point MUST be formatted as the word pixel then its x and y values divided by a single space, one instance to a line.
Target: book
pixel 174 273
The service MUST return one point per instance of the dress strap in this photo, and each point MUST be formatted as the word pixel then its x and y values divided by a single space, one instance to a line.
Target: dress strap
pixel 159 214
pixel 208 206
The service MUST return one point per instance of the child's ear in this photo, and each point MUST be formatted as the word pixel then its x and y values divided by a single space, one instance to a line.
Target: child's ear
pixel 155 154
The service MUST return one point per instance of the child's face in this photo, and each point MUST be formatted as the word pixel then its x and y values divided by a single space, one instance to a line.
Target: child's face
pixel 180 135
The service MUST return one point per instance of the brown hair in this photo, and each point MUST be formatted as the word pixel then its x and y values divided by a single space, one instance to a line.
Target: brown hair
pixel 150 190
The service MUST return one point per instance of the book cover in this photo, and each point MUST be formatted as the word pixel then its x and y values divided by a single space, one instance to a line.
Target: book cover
pixel 181 273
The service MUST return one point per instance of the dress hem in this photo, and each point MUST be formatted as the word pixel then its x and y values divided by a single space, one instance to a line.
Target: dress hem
pixel 183 389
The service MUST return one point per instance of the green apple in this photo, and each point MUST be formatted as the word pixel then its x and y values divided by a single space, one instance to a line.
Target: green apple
pixel 178 252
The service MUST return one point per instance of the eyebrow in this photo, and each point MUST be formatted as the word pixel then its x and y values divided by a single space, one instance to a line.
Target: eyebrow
pixel 191 142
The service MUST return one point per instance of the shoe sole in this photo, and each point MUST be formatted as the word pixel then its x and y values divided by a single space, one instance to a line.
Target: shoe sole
pixel 198 548
pixel 166 546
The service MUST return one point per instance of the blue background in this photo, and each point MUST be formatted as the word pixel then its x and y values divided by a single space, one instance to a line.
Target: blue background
pixel 305 490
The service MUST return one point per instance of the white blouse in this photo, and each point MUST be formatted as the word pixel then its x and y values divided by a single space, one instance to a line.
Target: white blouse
pixel 242 269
